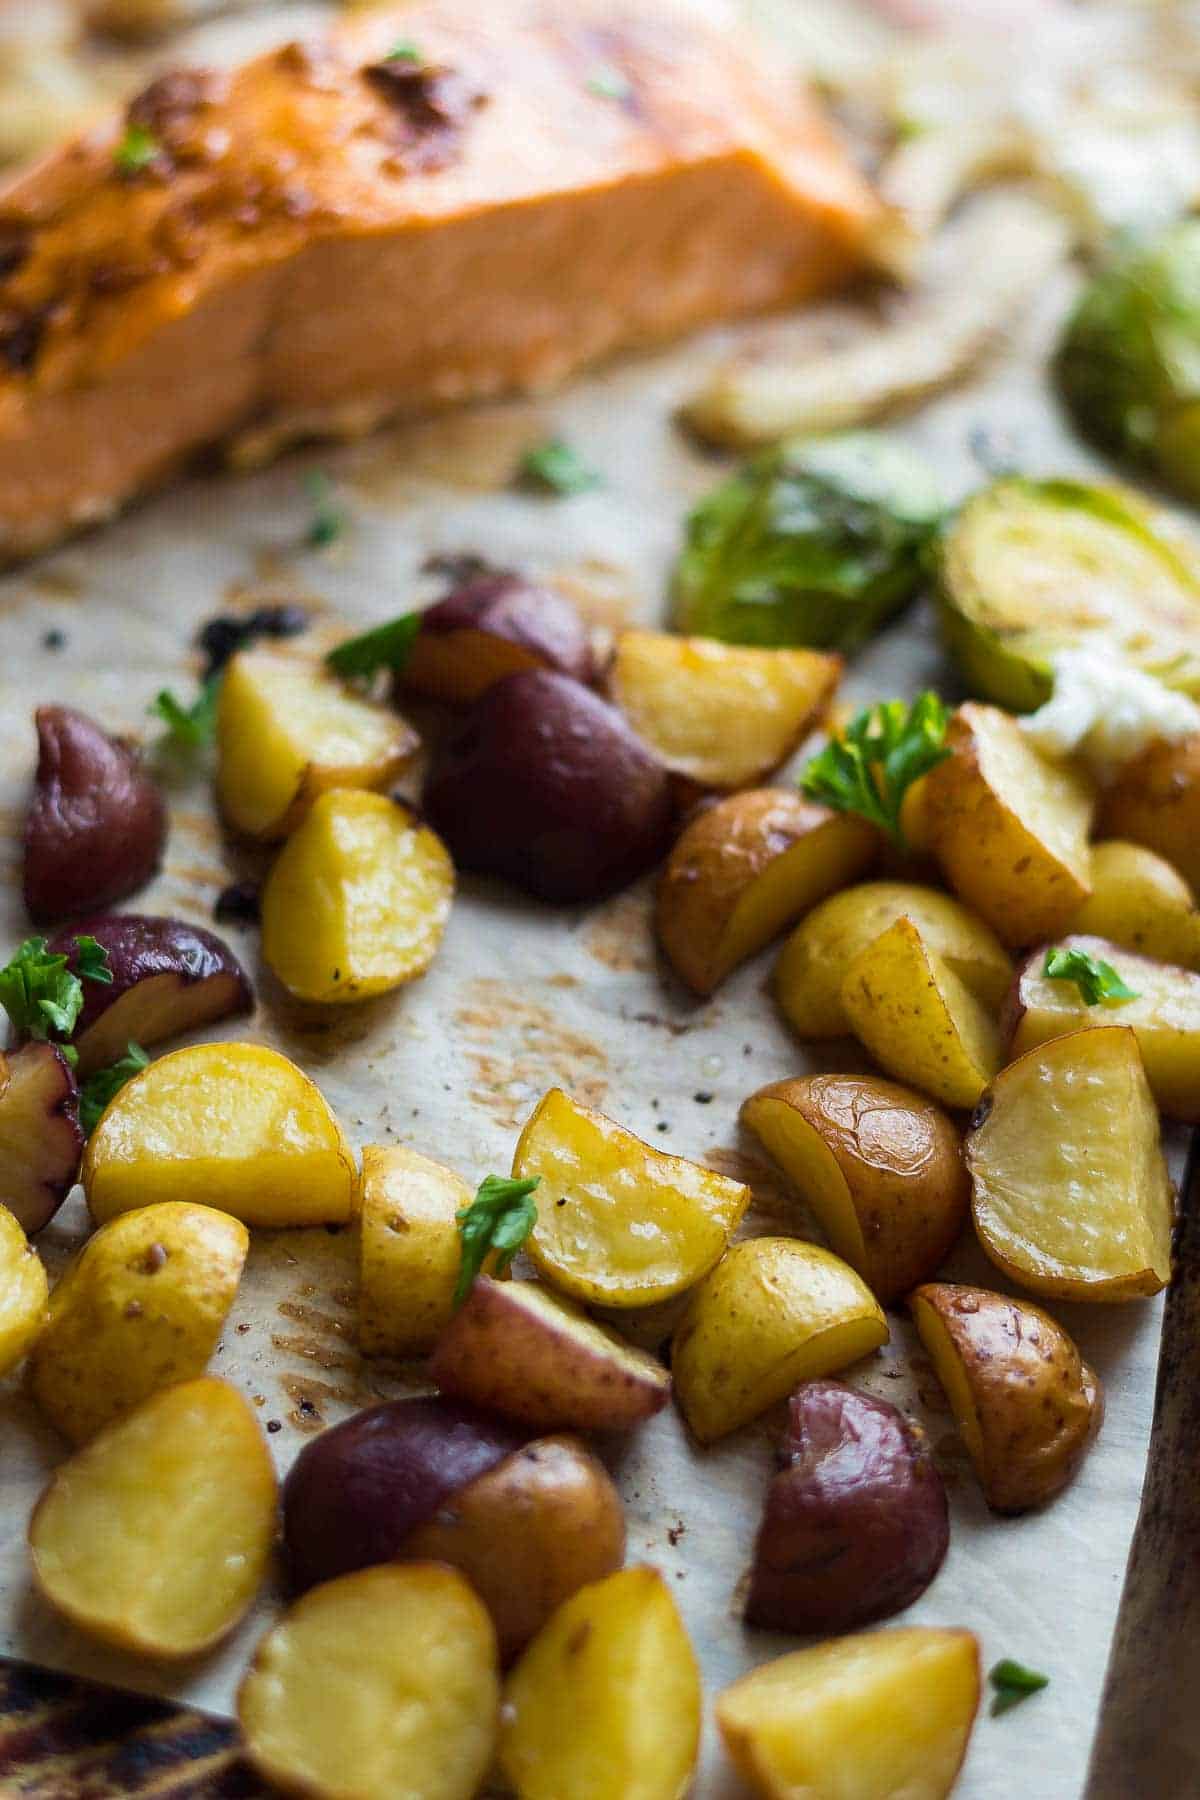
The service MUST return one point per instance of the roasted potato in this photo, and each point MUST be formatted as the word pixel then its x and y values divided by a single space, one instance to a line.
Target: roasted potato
pixel 813 963
pixel 619 1223
pixel 357 900
pixel 157 1535
pixel 881 1168
pixel 1140 901
pixel 1010 828
pixel 882 1713
pixel 855 1525
pixel 235 1126
pixel 96 824
pixel 918 1020
pixel 493 625
pixel 410 1250
pixel 518 1349
pixel 1164 1017
pixel 140 1306
pixel 605 1703
pixel 719 714
pixel 1070 1191
pixel 745 869
pixel 773 1313
pixel 1155 801
pixel 379 1685
pixel 41 1141
pixel 1026 1404
pixel 547 785
pixel 23 1292
pixel 287 731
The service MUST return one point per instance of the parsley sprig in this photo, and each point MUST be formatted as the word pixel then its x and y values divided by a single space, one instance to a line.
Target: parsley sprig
pixel 405 51
pixel 328 520
pixel 1013 1682
pixel 556 468
pixel 499 1219
pixel 190 727
pixel 1096 979
pixel 136 150
pixel 99 1088
pixel 870 766
pixel 386 647
pixel 42 994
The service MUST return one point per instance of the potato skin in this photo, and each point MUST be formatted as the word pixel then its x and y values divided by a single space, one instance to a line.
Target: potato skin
pixel 1037 1402
pixel 856 1524
pixel 96 824
pixel 492 626
pixel 1155 801
pixel 547 785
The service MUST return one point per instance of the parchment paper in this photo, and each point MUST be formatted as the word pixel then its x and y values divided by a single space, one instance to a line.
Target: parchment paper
pixel 522 997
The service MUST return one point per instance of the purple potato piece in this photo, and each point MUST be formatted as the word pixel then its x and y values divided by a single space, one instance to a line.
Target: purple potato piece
pixel 169 978
pixel 855 1525
pixel 492 626
pixel 548 785
pixel 41 1141
pixel 360 1489
pixel 96 824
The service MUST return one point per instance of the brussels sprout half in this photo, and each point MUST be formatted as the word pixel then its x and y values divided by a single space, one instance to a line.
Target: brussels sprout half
pixel 1030 568
pixel 817 543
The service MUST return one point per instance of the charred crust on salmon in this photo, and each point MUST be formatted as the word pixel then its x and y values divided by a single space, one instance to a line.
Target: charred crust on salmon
pixel 432 106
pixel 21 338
pixel 15 245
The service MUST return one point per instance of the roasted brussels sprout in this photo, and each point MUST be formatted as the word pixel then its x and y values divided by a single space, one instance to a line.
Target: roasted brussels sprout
pixel 817 542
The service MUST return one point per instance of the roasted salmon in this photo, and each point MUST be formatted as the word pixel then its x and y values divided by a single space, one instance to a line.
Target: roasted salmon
pixel 457 199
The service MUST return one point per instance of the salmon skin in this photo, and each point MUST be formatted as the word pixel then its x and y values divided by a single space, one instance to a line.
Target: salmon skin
pixel 454 200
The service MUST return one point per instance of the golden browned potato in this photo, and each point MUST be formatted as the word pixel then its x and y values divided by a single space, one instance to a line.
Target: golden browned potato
pixel 813 963
pixel 357 900
pixel 881 1168
pixel 720 714
pixel 1141 901
pixel 1026 1404
pixel 619 1223
pixel 410 1249
pixel 1155 801
pixel 745 869
pixel 1071 1195
pixel 156 1536
pixel 23 1292
pixel 1009 827
pixel 876 1716
pixel 773 1313
pixel 380 1684
pixel 287 731
pixel 605 1703
pixel 141 1306
pixel 918 1020
pixel 236 1126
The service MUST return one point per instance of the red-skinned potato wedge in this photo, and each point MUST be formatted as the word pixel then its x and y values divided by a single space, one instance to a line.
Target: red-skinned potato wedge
pixel 169 977
pixel 1155 801
pixel 881 1167
pixel 720 715
pixel 492 626
pixel 1164 1017
pixel 881 1713
pixel 855 1525
pixel 533 1356
pixel 1026 1404
pixel 96 824
pixel 23 1293
pixel 41 1141
pixel 745 869
pixel 156 1536
pixel 382 1684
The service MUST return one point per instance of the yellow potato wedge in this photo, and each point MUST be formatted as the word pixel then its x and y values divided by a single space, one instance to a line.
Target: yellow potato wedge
pixel 744 870
pixel 1140 901
pixel 1155 801
pixel 381 1685
pixel 1026 1404
pixel 357 900
pixel 620 1223
pixel 236 1126
pixel 720 714
pixel 156 1536
pixel 880 1167
pixel 515 1348
pixel 140 1306
pixel 1009 827
pixel 23 1292
pixel 410 1250
pixel 813 963
pixel 287 731
pixel 773 1313
pixel 918 1020
pixel 605 1702
pixel 876 1716
pixel 1070 1191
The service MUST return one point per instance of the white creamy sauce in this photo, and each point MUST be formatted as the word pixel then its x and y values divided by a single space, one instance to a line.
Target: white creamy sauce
pixel 1107 712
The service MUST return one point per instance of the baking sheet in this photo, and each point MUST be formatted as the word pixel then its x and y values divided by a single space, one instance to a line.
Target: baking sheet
pixel 523 997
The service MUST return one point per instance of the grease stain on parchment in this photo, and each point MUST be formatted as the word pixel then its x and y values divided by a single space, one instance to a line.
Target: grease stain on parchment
pixel 619 934
pixel 517 1049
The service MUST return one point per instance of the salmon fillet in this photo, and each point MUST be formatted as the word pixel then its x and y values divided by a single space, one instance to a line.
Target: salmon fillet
pixel 455 200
